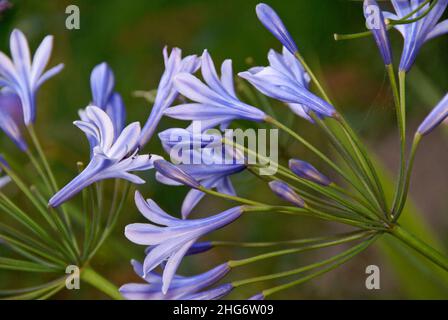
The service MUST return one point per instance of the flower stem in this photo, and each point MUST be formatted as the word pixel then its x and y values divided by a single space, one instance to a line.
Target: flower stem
pixel 93 278
pixel 401 119
pixel 420 246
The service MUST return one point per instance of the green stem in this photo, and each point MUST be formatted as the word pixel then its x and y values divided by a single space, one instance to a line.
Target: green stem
pixel 353 252
pixel 405 183
pixel 401 119
pixel 420 246
pixel 93 278
pixel 243 262
pixel 405 20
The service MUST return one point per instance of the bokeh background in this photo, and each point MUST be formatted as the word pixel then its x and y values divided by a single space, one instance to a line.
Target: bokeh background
pixel 130 35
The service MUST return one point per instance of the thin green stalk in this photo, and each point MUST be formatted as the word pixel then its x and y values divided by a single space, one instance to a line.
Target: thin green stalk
pixel 353 252
pixel 401 118
pixel 405 20
pixel 273 254
pixel 39 170
pixel 420 246
pixel 93 278
pixel 404 185
pixel 335 258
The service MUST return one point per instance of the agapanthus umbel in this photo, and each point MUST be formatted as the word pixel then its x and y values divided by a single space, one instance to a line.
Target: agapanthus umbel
pixel 171 238
pixel 182 288
pixel 167 92
pixel 11 117
pixel 417 33
pixel 215 101
pixel 25 76
pixel 203 158
pixel 286 80
pixel 112 156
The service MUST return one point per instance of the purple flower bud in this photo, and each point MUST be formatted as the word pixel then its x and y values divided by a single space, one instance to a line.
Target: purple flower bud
pixel 169 170
pixel 436 117
pixel 259 296
pixel 285 192
pixel 270 19
pixel 212 294
pixel 379 30
pixel 307 171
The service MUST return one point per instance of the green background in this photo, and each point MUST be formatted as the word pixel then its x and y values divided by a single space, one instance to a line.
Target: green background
pixel 130 35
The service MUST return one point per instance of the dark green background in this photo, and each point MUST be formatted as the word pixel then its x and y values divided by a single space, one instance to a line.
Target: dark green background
pixel 130 35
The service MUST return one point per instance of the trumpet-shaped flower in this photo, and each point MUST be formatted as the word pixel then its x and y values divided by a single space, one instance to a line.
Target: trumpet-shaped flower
pixel 379 30
pixel 286 80
pixel 213 168
pixel 417 33
pixel 435 117
pixel 11 118
pixel 102 83
pixel 112 157
pixel 307 171
pixel 25 76
pixel 285 192
pixel 167 92
pixel 172 237
pixel 215 101
pixel 181 287
pixel 4 180
pixel 270 19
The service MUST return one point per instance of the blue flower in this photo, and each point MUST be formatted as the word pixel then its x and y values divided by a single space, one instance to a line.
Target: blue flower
pixel 270 19
pixel 258 296
pixel 24 76
pixel 171 238
pixel 379 32
pixel 215 102
pixel 213 168
pixel 4 180
pixel 285 192
pixel 435 117
pixel 167 92
pixel 4 5
pixel 174 173
pixel 416 34
pixel 286 80
pixel 307 171
pixel 181 287
pixel 102 83
pixel 11 118
pixel 112 156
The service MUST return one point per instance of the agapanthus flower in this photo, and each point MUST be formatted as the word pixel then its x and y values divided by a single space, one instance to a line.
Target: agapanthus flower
pixel 284 191
pixel 379 31
pixel 25 76
pixel 112 156
pixel 167 92
pixel 417 33
pixel 215 101
pixel 102 83
pixel 11 117
pixel 181 287
pixel 286 80
pixel 4 180
pixel 213 169
pixel 435 117
pixel 171 238
pixel 306 171
pixel 270 19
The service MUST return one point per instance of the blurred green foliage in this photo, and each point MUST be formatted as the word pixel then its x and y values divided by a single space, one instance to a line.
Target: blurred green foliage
pixel 130 35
